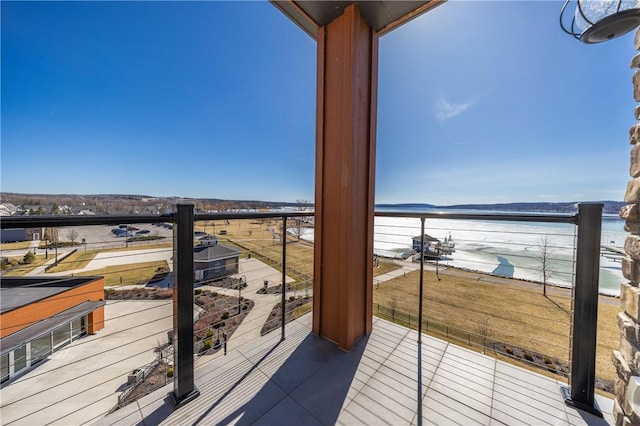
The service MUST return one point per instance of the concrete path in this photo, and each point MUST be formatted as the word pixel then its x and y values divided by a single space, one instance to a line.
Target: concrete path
pixel 103 260
pixel 21 252
pixel 255 272
pixel 406 268
pixel 40 270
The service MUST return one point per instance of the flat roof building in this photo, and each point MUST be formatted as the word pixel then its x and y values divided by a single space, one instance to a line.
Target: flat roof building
pixel 40 315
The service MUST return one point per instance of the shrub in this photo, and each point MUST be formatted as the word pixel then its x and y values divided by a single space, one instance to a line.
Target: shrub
pixel 547 360
pixel 508 350
pixel 197 291
pixel 291 298
pixel 225 315
pixel 209 333
pixel 528 356
pixel 207 345
pixel 170 372
pixel 29 257
pixel 4 263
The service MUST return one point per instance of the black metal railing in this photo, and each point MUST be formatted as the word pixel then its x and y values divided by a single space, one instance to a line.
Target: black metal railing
pixel 587 221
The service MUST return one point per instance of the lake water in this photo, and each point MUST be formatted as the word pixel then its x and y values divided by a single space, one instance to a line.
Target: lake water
pixel 510 249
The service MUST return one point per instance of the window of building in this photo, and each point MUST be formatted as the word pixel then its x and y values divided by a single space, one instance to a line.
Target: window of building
pixel 4 364
pixel 19 358
pixel 61 336
pixel 40 348
pixel 78 328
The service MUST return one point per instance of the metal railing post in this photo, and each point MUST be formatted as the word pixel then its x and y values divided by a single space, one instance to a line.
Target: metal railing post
pixel 419 414
pixel 421 279
pixel 585 311
pixel 284 271
pixel 184 389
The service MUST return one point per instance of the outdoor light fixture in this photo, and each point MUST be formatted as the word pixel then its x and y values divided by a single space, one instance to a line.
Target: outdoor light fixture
pixel 595 21
pixel 633 393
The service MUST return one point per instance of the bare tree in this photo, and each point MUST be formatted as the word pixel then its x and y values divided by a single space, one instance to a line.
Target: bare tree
pixel 303 205
pixel 297 224
pixel 545 261
pixel 72 234
pixel 51 234
pixel 295 228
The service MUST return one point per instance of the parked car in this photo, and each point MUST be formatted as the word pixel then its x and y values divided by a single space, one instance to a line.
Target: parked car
pixel 142 232
pixel 133 229
pixel 199 233
pixel 124 234
pixel 122 226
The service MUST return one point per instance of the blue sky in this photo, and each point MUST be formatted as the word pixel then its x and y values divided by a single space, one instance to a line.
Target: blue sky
pixel 478 102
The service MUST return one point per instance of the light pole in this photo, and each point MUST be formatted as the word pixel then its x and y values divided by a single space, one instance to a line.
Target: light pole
pixel 243 281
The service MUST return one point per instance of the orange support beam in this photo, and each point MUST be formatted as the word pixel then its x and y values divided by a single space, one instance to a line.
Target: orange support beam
pixel 345 172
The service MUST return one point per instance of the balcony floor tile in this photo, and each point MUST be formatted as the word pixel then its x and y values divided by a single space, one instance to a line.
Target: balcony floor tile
pixel 306 380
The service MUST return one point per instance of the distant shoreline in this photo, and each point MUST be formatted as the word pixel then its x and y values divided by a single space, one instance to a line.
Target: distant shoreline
pixel 609 207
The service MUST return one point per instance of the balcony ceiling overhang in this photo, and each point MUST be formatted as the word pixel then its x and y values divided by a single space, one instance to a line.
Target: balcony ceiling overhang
pixel 382 16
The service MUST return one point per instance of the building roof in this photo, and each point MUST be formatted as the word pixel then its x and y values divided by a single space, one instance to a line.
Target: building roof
pixel 427 238
pixel 381 15
pixel 12 341
pixel 8 209
pixel 16 292
pixel 217 252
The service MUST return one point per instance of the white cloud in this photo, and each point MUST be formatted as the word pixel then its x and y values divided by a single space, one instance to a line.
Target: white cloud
pixel 446 110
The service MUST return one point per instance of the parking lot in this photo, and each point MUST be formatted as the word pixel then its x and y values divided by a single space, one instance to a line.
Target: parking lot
pixel 100 236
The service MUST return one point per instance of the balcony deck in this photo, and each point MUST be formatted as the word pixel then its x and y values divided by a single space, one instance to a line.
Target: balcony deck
pixel 306 380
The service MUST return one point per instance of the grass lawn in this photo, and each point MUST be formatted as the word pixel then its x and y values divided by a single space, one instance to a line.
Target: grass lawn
pixel 255 237
pixel 77 260
pixel 510 313
pixel 20 245
pixel 386 265
pixel 139 273
pixel 21 270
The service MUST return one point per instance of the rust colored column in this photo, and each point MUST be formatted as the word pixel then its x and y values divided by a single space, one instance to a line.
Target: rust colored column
pixel 345 169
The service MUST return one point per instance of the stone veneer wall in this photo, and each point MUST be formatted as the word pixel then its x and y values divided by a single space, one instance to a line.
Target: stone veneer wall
pixel 627 359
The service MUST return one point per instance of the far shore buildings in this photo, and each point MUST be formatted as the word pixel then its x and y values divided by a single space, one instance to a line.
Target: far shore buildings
pixel 41 315
pixel 8 209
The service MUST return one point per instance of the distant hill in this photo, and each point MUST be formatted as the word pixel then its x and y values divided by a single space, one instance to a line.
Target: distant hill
pixel 128 203
pixel 610 207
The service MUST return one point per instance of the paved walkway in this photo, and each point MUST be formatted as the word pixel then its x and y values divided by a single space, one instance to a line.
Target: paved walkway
pixel 406 268
pixel 255 273
pixel 113 258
